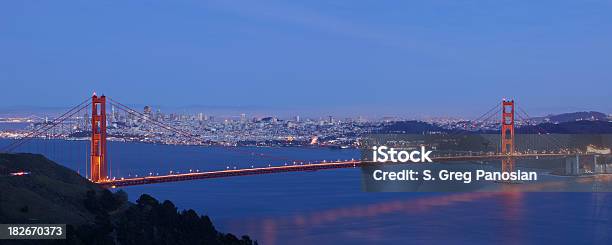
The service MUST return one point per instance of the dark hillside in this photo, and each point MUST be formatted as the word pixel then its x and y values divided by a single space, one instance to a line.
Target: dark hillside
pixel 51 193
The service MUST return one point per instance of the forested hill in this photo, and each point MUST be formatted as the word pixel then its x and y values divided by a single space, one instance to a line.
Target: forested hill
pixel 51 193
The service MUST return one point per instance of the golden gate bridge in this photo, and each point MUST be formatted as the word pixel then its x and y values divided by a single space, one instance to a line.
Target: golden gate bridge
pixel 99 171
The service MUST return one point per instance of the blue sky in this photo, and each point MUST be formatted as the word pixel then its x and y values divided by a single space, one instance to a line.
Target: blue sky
pixel 408 58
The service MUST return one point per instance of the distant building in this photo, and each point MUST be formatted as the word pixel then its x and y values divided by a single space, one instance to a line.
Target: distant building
pixel 597 150
pixel 113 116
pixel 159 116
pixel 86 119
pixel 147 110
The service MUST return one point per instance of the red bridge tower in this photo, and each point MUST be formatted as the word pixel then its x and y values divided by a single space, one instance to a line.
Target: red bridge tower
pixel 99 169
pixel 507 134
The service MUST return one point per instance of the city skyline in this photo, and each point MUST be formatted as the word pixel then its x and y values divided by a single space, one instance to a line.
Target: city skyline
pixel 149 125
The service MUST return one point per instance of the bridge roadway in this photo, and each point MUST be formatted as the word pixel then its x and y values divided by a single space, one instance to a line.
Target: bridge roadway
pixel 112 183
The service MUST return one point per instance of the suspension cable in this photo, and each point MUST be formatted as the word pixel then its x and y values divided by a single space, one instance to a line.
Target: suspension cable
pixel 47 126
pixel 458 132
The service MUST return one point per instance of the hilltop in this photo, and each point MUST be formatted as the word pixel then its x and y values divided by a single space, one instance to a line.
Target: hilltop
pixel 52 193
pixel 572 127
pixel 572 117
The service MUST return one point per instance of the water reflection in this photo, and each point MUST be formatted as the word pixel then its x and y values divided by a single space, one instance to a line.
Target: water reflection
pixel 501 217
pixel 272 227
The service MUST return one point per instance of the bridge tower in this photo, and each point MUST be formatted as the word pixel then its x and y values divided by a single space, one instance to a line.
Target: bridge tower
pixel 99 169
pixel 507 134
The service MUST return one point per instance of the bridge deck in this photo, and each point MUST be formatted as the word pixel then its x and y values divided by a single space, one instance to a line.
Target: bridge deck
pixel 292 168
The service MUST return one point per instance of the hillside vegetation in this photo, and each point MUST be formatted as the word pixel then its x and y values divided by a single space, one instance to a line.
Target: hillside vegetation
pixel 52 193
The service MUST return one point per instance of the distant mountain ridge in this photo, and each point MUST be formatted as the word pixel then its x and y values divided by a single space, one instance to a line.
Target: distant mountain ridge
pixel 571 127
pixel 573 116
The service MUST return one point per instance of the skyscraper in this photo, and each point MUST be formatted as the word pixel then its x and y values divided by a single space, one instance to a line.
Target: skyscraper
pixel 147 110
